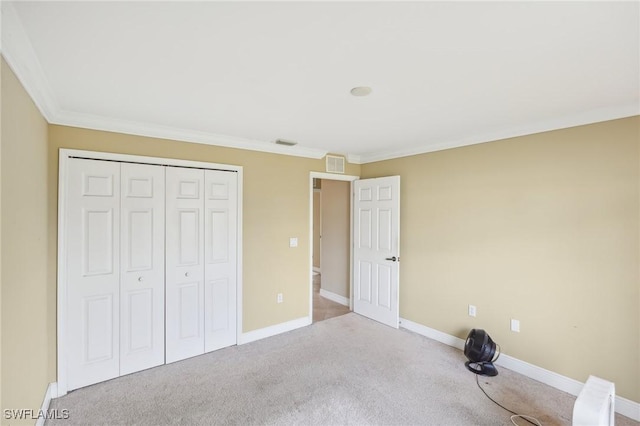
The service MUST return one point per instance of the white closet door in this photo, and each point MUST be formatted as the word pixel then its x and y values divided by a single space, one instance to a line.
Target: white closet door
pixel 142 267
pixel 221 192
pixel 184 263
pixel 93 271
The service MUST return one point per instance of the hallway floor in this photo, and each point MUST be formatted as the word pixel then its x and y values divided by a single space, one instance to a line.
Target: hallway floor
pixel 324 308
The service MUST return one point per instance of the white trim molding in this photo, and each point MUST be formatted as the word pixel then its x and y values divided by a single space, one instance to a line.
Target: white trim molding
pixel 623 406
pixel 334 297
pixel 329 176
pixel 50 393
pixel 573 120
pixel 263 333
pixel 109 124
pixel 20 56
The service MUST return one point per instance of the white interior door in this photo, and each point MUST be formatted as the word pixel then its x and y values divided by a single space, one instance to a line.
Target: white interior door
pixel 142 267
pixel 376 254
pixel 220 224
pixel 184 263
pixel 93 271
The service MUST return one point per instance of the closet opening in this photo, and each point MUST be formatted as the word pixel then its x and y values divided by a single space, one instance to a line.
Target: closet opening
pixel 149 263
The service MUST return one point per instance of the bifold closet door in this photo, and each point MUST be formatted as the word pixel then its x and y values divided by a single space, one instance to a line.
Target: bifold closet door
pixel 115 269
pixel 201 261
pixel 92 223
pixel 150 266
pixel 221 212
pixel 184 263
pixel 142 267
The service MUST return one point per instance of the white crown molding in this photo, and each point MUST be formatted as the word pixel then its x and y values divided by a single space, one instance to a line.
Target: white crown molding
pixel 354 158
pixel 18 51
pixel 580 119
pixel 20 56
pixel 94 122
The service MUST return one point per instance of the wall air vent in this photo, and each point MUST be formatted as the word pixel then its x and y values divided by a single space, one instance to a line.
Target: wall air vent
pixel 335 164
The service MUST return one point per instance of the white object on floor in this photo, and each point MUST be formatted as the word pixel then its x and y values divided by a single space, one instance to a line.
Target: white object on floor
pixel 595 404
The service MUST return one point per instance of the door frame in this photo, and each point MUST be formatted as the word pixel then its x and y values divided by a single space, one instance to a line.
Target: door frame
pixel 63 161
pixel 330 176
pixel 319 192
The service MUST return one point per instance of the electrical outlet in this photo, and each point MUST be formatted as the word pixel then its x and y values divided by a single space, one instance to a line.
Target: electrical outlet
pixel 472 311
pixel 515 325
pixel 279 298
pixel 293 242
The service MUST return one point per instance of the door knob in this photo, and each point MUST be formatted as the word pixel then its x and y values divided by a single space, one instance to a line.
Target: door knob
pixel 186 274
pixel 140 279
pixel 393 259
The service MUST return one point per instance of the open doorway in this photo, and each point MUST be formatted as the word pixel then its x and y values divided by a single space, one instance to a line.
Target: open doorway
pixel 331 245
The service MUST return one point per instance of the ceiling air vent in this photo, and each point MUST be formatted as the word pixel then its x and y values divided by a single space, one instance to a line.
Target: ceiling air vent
pixel 285 142
pixel 335 164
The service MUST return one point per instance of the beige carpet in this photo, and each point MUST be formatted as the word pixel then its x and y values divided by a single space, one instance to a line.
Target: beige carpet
pixel 347 370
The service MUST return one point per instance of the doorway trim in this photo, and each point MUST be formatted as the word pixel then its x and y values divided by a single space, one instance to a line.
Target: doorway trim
pixel 330 176
pixel 63 161
pixel 318 191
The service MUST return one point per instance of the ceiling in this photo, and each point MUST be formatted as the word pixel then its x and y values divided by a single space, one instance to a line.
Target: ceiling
pixel 243 74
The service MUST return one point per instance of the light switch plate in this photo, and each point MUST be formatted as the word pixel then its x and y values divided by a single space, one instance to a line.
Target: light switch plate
pixel 293 242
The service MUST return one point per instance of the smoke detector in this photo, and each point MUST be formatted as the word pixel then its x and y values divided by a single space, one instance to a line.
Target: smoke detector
pixel 361 91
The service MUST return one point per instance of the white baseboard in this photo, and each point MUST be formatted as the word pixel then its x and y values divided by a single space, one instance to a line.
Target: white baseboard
pixel 273 330
pixel 623 406
pixel 50 393
pixel 334 297
pixel 628 408
pixel 431 333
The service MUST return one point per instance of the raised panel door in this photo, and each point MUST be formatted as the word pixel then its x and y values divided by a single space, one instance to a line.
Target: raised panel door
pixel 92 224
pixel 376 252
pixel 220 238
pixel 184 262
pixel 142 267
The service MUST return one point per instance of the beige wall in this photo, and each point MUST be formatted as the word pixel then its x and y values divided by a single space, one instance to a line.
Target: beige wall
pixel 316 228
pixel 25 290
pixel 276 207
pixel 541 228
pixel 336 231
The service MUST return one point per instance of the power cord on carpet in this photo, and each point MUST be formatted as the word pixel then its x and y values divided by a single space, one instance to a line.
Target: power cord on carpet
pixel 529 419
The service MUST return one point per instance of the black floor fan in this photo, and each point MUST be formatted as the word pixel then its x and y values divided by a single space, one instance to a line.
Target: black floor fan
pixel 481 352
